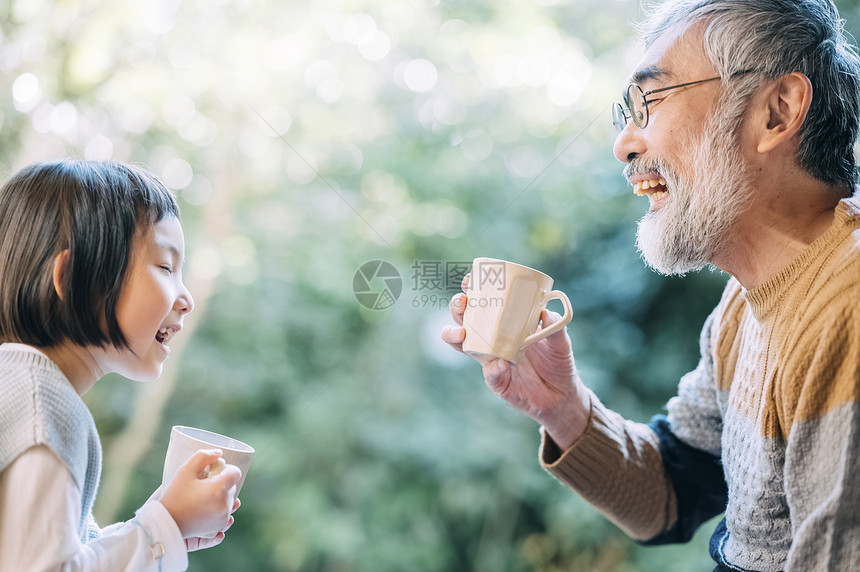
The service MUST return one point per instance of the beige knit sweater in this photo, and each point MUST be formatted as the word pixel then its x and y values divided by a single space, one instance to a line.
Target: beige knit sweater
pixel 776 399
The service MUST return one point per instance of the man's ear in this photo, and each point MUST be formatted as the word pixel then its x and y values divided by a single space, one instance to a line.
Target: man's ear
pixel 785 105
pixel 60 263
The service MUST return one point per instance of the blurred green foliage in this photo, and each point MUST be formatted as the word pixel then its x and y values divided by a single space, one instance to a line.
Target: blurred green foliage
pixel 306 138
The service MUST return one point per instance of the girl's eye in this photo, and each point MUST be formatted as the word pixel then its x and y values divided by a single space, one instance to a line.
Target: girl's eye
pixel 167 269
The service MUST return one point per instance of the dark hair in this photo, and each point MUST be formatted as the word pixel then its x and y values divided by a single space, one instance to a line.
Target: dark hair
pixel 777 37
pixel 92 209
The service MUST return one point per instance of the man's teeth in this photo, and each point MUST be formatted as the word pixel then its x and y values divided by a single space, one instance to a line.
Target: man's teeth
pixel 641 188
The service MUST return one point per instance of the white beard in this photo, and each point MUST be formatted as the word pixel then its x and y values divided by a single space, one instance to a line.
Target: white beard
pixel 694 224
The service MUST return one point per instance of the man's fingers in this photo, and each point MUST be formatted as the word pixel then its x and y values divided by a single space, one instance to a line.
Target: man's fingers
pixel 548 318
pixel 458 308
pixel 454 336
pixel 495 366
pixel 495 370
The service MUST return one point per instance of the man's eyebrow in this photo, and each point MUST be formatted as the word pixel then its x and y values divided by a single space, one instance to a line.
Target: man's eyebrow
pixel 650 72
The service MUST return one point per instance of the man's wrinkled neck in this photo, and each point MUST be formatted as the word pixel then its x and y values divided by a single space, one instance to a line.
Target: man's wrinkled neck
pixel 769 237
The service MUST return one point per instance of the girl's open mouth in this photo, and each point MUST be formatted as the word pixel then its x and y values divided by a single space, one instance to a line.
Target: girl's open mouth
pixel 164 335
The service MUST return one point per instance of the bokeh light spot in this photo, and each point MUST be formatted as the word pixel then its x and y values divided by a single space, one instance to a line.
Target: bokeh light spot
pixel 420 75
pixel 99 148
pixel 477 145
pixel 177 173
pixel 26 92
pixel 377 48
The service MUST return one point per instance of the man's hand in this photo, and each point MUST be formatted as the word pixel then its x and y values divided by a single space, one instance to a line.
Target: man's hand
pixel 543 384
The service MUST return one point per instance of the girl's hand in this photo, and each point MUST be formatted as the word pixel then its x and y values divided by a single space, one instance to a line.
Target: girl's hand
pixel 197 543
pixel 202 507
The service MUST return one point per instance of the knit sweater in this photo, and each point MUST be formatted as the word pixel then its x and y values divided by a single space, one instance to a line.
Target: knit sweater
pixel 765 429
pixel 40 407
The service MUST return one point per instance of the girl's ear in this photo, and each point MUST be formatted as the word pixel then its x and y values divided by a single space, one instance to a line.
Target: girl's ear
pixel 60 263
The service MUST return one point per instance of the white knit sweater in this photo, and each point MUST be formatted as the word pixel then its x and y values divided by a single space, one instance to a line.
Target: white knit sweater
pixel 40 407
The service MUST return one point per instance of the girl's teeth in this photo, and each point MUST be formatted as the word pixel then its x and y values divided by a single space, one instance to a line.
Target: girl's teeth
pixel 164 335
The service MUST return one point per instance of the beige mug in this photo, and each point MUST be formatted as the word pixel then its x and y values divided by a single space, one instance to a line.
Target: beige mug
pixel 503 309
pixel 185 441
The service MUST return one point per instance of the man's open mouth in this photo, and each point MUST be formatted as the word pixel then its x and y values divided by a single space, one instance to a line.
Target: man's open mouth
pixel 655 189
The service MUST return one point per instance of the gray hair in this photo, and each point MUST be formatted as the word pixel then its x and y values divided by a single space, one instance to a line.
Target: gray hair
pixel 774 38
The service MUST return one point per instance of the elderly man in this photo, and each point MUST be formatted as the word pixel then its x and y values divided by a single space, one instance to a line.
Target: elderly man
pixel 738 124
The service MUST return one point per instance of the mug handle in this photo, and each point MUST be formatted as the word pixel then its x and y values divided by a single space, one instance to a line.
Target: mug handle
pixel 565 319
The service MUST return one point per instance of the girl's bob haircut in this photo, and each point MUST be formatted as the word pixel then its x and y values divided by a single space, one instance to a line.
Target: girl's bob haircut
pixel 93 209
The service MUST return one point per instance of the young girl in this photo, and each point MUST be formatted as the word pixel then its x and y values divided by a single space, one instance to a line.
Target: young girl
pixel 90 283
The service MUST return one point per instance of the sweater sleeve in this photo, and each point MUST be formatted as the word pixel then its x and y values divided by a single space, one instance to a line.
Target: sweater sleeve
pixel 822 421
pixel 39 504
pixel 657 482
pixel 615 465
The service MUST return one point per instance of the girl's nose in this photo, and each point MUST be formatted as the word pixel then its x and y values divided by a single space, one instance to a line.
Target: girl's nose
pixel 185 302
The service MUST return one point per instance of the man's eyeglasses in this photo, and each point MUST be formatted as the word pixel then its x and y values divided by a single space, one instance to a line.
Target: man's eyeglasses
pixel 635 105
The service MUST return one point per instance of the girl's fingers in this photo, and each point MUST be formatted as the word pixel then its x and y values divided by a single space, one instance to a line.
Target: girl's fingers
pixel 200 460
pixel 229 476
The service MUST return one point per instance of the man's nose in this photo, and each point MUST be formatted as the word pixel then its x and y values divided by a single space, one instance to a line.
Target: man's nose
pixel 629 144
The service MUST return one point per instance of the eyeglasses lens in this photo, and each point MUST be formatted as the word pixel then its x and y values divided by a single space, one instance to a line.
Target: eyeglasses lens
pixel 619 117
pixel 635 100
pixel 634 108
